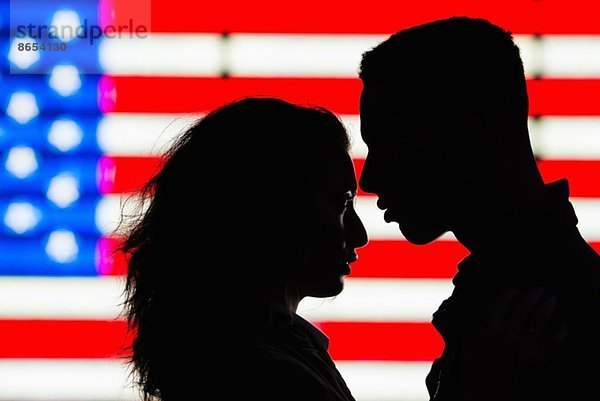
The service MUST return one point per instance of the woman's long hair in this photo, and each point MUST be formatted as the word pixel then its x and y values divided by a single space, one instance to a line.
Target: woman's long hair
pixel 227 218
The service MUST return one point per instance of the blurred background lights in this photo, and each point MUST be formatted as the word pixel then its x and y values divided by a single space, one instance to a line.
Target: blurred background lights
pixel 62 246
pixel 22 59
pixel 63 189
pixel 22 107
pixel 65 135
pixel 21 217
pixel 65 79
pixel 67 22
pixel 21 161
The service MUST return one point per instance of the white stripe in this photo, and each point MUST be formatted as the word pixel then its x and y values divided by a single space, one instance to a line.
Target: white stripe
pixel 588 211
pixel 112 207
pixel 588 214
pixel 115 212
pixel 151 134
pixel 576 138
pixel 365 300
pixel 308 55
pixel 570 56
pixel 352 124
pixel 107 380
pixel 380 300
pixel 529 49
pixel 140 134
pixel 166 55
pixel 122 134
pixel 60 298
pixel 66 380
pixel 298 55
pixel 383 381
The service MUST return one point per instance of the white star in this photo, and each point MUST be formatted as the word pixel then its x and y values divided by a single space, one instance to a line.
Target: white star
pixel 22 59
pixel 62 246
pixel 66 22
pixel 63 189
pixel 21 161
pixel 65 79
pixel 22 107
pixel 65 135
pixel 21 217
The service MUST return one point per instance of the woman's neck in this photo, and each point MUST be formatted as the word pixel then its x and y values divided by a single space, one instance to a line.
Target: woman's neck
pixel 288 296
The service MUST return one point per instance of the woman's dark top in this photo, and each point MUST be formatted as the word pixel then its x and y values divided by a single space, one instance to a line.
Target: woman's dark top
pixel 289 361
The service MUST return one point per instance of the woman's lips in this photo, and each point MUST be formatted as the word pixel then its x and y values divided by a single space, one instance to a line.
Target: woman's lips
pixel 351 258
pixel 345 266
pixel 345 269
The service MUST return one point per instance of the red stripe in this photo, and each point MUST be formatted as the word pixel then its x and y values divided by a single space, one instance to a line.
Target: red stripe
pixel 111 262
pixel 107 339
pixel 129 174
pixel 126 174
pixel 62 339
pixel 583 175
pixel 188 95
pixel 382 341
pixel 341 95
pixel 401 259
pixel 564 97
pixel 339 16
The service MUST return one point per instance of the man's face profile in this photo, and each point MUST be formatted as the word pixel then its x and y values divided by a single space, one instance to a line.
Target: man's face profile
pixel 405 167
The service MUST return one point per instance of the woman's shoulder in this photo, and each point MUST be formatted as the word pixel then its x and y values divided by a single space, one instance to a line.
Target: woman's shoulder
pixel 279 375
pixel 268 352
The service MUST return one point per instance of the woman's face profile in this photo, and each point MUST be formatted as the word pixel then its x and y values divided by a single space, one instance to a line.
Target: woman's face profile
pixel 339 231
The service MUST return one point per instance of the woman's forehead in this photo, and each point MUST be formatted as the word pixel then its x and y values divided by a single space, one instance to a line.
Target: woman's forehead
pixel 338 173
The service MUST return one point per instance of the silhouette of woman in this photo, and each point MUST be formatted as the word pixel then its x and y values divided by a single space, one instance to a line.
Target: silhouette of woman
pixel 251 211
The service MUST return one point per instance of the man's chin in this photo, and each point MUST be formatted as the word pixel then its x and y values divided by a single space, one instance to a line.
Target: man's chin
pixel 420 236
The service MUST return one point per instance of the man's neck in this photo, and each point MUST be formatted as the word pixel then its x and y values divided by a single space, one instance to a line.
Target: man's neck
pixel 492 226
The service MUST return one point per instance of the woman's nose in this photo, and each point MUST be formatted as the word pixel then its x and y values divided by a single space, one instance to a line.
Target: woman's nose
pixel 357 236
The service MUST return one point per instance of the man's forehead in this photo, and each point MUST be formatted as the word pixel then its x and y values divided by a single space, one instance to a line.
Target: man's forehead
pixel 371 93
pixel 391 97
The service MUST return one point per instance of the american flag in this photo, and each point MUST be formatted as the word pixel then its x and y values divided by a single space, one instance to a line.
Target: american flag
pixel 74 143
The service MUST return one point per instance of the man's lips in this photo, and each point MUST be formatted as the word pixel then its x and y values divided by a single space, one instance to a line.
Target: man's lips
pixel 389 216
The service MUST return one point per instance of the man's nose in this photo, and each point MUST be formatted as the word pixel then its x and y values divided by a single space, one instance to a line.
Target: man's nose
pixel 367 179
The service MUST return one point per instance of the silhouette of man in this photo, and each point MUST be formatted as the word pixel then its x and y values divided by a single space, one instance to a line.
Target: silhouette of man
pixel 444 112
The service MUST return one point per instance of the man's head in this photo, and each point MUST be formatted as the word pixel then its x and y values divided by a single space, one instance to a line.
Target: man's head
pixel 444 113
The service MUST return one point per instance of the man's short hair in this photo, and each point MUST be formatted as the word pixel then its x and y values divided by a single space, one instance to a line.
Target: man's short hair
pixel 458 58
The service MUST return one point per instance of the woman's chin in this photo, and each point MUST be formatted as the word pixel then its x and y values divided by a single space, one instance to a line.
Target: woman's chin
pixel 330 289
